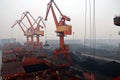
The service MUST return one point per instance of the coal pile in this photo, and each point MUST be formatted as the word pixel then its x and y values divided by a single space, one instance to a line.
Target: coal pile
pixel 110 69
pixel 35 68
pixel 90 64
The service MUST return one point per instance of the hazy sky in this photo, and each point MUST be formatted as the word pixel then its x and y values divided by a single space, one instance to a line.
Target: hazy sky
pixel 11 10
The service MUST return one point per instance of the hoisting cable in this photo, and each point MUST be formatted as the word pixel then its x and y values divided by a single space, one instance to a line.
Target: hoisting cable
pixel 73 36
pixel 18 35
pixel 11 33
pixel 94 34
pixel 91 37
pixel 46 43
pixel 45 34
pixel 85 26
pixel 90 26
pixel 94 29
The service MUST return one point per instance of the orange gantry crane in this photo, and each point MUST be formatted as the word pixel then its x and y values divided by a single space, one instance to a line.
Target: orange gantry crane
pixel 38 32
pixel 62 29
pixel 31 30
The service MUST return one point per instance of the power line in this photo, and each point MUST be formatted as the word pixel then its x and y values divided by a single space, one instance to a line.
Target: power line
pixel 94 28
pixel 90 25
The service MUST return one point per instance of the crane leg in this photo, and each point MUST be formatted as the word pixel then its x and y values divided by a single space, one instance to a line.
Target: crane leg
pixel 64 49
pixel 31 39
pixel 27 39
pixel 61 36
pixel 37 39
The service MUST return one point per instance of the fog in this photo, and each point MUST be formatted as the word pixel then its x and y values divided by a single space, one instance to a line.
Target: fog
pixel 105 11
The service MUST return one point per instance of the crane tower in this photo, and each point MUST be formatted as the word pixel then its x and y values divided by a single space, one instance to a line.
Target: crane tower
pixel 62 30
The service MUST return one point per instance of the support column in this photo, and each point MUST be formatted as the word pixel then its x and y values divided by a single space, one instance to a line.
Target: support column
pixel 37 39
pixel 27 39
pixel 61 35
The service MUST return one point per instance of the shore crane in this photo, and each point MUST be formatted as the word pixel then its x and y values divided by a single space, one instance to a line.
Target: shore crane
pixel 38 32
pixel 31 28
pixel 62 29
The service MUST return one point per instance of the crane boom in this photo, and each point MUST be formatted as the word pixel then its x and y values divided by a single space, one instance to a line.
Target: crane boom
pixel 25 32
pixel 38 20
pixel 53 13
pixel 38 26
pixel 63 17
pixel 18 22
pixel 25 14
pixel 14 24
